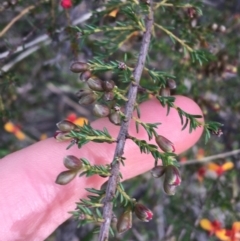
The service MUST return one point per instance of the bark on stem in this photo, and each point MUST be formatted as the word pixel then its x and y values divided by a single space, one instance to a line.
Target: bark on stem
pixel 132 94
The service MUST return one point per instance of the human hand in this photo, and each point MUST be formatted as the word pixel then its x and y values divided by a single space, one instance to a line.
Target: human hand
pixel 32 205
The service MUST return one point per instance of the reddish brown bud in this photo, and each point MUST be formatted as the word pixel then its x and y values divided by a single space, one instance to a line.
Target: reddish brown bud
pixel 158 171
pixel 65 177
pixel 125 221
pixel 85 75
pixel 87 99
pixel 101 110
pixel 171 84
pixel 108 96
pixel 164 144
pixel 72 163
pixel 66 125
pixel 169 189
pixel 108 85
pixel 95 83
pixel 78 67
pixel 62 136
pixel 143 213
pixel 192 13
pixel 165 92
pixel 115 117
pixel 82 93
pixel 172 175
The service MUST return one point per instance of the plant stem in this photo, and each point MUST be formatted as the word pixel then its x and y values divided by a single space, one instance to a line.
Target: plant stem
pixel 211 158
pixel 182 42
pixel 132 94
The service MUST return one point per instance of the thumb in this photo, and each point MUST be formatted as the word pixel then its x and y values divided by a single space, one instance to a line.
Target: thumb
pixel 34 206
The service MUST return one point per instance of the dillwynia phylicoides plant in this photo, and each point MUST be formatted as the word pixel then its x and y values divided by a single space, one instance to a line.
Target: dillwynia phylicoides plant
pixel 118 99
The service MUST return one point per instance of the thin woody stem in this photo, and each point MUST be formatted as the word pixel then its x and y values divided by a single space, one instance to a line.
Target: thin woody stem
pixel 132 94
pixel 211 158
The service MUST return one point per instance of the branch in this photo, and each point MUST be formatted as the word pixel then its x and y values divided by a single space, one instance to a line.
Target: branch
pixel 46 37
pixel 210 158
pixel 175 37
pixel 22 56
pixel 20 15
pixel 67 100
pixel 132 94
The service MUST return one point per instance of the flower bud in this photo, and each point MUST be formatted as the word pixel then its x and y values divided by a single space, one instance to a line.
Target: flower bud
pixel 115 118
pixel 95 83
pixel 85 75
pixel 65 177
pixel 72 163
pixel 62 136
pixel 78 67
pixel 214 26
pixel 172 175
pixel 101 110
pixel 158 171
pixel 108 85
pixel 125 221
pixel 169 189
pixel 164 144
pixel 222 29
pixel 87 99
pixel 171 84
pixel 165 92
pixel 66 4
pixel 143 213
pixel 65 125
pixel 108 96
pixel 82 93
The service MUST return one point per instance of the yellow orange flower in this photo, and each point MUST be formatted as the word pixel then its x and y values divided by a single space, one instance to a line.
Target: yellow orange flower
pixel 220 169
pixel 222 234
pixel 77 120
pixel 230 234
pixel 213 167
pixel 14 129
pixel 213 227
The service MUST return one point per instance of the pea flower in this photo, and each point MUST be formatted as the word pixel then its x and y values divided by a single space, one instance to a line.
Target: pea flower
pixel 215 169
pixel 213 227
pixel 15 130
pixel 231 234
pixel 77 120
pixel 222 234
pixel 66 126
pixel 220 169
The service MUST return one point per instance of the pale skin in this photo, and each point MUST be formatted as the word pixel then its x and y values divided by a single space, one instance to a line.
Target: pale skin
pixel 32 205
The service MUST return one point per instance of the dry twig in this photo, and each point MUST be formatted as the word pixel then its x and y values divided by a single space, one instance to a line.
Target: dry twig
pixel 211 158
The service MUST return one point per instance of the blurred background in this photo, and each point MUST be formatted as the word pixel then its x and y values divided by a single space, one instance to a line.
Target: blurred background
pixel 37 90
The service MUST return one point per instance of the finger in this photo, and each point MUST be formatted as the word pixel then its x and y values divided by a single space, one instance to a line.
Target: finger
pixel 33 205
